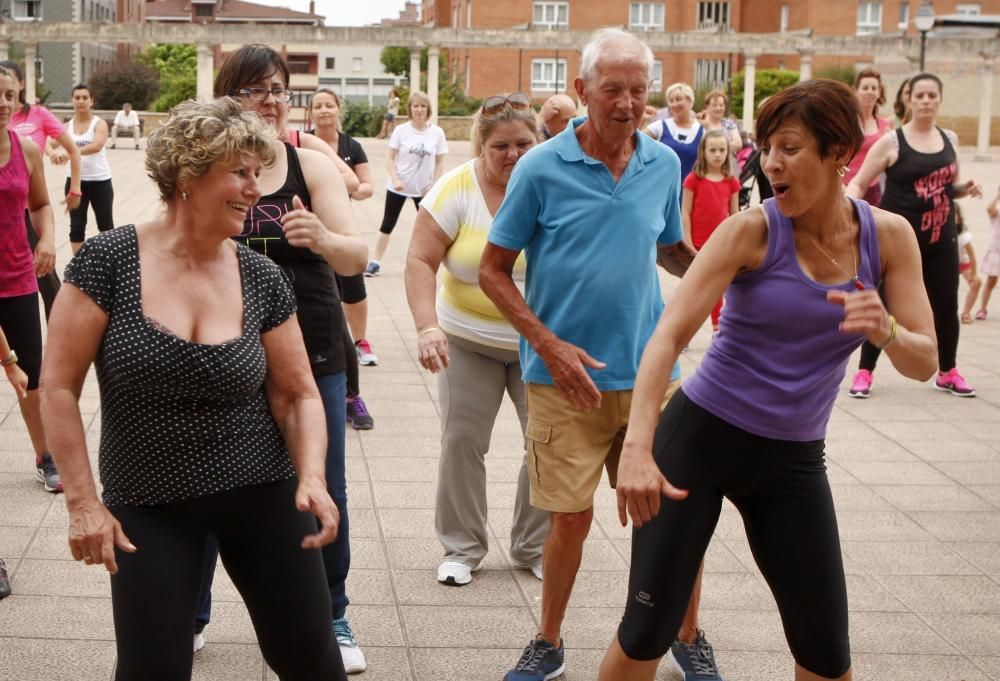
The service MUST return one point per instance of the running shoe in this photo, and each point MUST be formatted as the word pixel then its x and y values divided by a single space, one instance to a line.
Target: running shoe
pixel 981 315
pixel 861 386
pixel 695 661
pixel 540 661
pixel 453 573
pixel 199 642
pixel 954 383
pixel 46 473
pixel 4 580
pixel 354 659
pixel 357 413
pixel 536 568
pixel 365 354
pixel 372 269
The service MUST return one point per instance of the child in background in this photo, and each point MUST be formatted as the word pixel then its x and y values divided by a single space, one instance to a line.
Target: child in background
pixel 967 265
pixel 991 261
pixel 711 194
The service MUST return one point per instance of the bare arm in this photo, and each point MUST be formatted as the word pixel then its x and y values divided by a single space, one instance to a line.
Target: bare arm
pixel 314 143
pixel 76 329
pixel 100 139
pixel 365 189
pixel 15 374
pixel 66 142
pixel 41 211
pixel 734 203
pixel 882 155
pixel 390 157
pixel 675 258
pixel 687 204
pixel 428 246
pixel 993 207
pixel 328 228
pixel 564 361
pixel 296 407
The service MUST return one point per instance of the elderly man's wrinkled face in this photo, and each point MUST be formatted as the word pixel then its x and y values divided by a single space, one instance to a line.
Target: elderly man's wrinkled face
pixel 616 96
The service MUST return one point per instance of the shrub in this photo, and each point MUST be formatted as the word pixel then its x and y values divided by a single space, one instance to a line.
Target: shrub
pixel 123 82
pixel 767 82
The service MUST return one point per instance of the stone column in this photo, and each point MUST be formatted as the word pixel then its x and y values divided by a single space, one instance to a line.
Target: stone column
pixel 414 69
pixel 30 55
pixel 4 49
pixel 433 55
pixel 985 106
pixel 204 87
pixel 805 65
pixel 749 83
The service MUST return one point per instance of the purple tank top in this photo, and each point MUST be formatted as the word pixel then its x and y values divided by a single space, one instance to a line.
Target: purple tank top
pixel 17 263
pixel 777 363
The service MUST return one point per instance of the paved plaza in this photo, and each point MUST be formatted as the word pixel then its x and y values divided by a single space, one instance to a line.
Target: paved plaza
pixel 915 475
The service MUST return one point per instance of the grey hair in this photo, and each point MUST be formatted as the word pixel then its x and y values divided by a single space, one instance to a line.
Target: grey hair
pixel 604 43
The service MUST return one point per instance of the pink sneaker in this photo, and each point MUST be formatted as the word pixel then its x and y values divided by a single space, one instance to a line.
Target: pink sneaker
pixel 861 386
pixel 954 383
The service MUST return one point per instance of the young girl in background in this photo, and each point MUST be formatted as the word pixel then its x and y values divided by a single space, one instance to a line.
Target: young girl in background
pixel 991 261
pixel 967 265
pixel 711 194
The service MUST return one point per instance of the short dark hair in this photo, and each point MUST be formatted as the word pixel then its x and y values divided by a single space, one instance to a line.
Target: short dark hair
pixel 926 76
pixel 827 108
pixel 249 64
pixel 81 86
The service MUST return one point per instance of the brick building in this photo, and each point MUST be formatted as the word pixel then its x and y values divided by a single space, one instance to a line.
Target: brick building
pixel 541 72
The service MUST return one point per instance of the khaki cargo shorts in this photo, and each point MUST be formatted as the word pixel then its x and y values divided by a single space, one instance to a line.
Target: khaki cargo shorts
pixel 567 448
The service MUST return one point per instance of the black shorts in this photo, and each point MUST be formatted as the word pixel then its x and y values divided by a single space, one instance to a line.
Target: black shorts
pixel 781 490
pixel 22 325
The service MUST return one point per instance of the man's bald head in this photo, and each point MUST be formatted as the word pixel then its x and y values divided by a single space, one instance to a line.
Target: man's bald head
pixel 556 112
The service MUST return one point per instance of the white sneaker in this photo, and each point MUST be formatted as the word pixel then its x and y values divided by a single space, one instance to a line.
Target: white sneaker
pixel 453 573
pixel 350 653
pixel 199 642
pixel 536 568
pixel 366 356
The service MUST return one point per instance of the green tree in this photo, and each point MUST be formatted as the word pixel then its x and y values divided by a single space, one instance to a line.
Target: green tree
pixel 124 82
pixel 767 82
pixel 177 67
pixel 396 60
pixel 452 100
pixel 845 74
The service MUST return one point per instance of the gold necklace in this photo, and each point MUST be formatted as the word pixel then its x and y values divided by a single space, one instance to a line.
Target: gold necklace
pixel 854 277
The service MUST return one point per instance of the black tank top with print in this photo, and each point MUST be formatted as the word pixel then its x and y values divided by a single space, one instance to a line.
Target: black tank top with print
pixel 918 186
pixel 319 311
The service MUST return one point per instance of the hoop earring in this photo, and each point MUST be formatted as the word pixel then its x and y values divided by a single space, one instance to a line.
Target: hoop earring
pixel 842 170
pixel 184 196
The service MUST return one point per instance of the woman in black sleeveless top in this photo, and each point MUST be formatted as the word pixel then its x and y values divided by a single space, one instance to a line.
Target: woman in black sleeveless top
pixel 921 169
pixel 304 223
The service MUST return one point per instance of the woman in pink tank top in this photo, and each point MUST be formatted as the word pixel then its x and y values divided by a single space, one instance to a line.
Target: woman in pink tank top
pixel 22 186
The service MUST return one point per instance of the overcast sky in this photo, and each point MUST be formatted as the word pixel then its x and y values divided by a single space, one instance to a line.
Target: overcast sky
pixel 345 12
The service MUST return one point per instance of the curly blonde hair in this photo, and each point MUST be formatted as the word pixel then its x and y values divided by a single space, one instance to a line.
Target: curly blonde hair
pixel 197 134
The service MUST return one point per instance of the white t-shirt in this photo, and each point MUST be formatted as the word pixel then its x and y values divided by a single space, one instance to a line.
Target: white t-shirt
pixel 964 239
pixel 457 204
pixel 416 154
pixel 127 121
pixel 684 135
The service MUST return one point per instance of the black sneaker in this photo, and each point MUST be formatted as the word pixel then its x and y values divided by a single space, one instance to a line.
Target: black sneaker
pixel 540 661
pixel 46 473
pixel 695 661
pixel 357 413
pixel 4 580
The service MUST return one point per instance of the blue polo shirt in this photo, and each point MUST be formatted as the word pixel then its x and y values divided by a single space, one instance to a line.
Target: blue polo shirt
pixel 590 244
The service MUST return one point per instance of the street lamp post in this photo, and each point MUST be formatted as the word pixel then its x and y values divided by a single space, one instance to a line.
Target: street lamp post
pixel 924 21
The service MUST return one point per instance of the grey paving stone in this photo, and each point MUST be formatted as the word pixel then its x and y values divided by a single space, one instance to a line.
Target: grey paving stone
pixel 916 667
pixel 26 659
pixel 959 525
pixel 472 664
pixel 227 662
pixel 488 587
pixel 951 497
pixel 971 634
pixel 56 617
pixel 991 665
pixel 984 555
pixel 946 593
pixel 13 542
pixel 466 626
pixel 61 578
pixel 414 553
pixel 892 632
pixel 895 473
pixel 909 558
pixel 369 587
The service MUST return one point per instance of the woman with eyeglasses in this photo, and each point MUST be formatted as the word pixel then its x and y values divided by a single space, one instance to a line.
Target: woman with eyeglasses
pixel 416 161
pixel 462 337
pixel 303 221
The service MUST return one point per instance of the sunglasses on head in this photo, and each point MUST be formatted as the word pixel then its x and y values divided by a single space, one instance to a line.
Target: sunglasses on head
pixel 496 103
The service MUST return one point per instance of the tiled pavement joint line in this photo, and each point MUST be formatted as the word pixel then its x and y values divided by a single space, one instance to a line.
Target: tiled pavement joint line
pixel 970 658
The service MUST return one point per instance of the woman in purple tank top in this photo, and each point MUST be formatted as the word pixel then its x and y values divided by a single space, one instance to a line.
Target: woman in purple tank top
pixel 800 277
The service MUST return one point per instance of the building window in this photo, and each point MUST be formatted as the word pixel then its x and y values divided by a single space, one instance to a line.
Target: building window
pixel 548 75
pixel 27 10
pixel 645 16
pixel 551 14
pixel 869 18
pixel 904 16
pixel 968 9
pixel 357 65
pixel 713 15
pixel 203 10
pixel 657 81
pixel 711 73
pixel 39 70
pixel 784 17
pixel 298 65
pixel 331 63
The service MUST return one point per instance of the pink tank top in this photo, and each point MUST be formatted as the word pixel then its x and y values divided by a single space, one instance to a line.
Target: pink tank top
pixel 17 262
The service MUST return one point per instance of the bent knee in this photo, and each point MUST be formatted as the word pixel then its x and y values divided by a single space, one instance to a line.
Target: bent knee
pixel 827 661
pixel 644 643
pixel 577 522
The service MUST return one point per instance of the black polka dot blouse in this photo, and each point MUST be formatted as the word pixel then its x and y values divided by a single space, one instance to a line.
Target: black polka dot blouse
pixel 180 420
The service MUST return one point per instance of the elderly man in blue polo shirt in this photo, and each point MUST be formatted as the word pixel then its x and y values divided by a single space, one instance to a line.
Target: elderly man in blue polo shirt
pixel 594 209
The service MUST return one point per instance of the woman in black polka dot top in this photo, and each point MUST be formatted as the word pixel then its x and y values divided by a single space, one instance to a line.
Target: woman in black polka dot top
pixel 211 422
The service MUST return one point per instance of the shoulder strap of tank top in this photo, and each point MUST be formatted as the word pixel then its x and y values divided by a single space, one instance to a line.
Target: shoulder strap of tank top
pixel 901 139
pixel 779 232
pixel 868 241
pixel 947 142
pixel 295 179
pixel 93 125
pixel 293 138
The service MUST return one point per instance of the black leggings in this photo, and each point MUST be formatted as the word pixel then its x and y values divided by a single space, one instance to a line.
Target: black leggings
pixel 940 266
pixel 48 286
pixel 393 207
pixel 22 325
pixel 155 592
pixel 781 490
pixel 101 195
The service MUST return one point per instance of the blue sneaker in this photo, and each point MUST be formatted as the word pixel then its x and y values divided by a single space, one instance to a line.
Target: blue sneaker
pixel 540 661
pixel 372 269
pixel 695 661
pixel 350 652
pixel 4 580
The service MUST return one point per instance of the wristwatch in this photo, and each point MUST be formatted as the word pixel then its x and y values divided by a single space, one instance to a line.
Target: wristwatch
pixel 9 360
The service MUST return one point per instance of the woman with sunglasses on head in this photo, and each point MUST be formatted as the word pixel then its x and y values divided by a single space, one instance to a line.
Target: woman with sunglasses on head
pixel 40 125
pixel 304 223
pixel 462 337
pixel 416 161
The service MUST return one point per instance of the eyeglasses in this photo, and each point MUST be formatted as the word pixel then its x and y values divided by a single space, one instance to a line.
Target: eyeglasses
pixel 518 101
pixel 259 94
